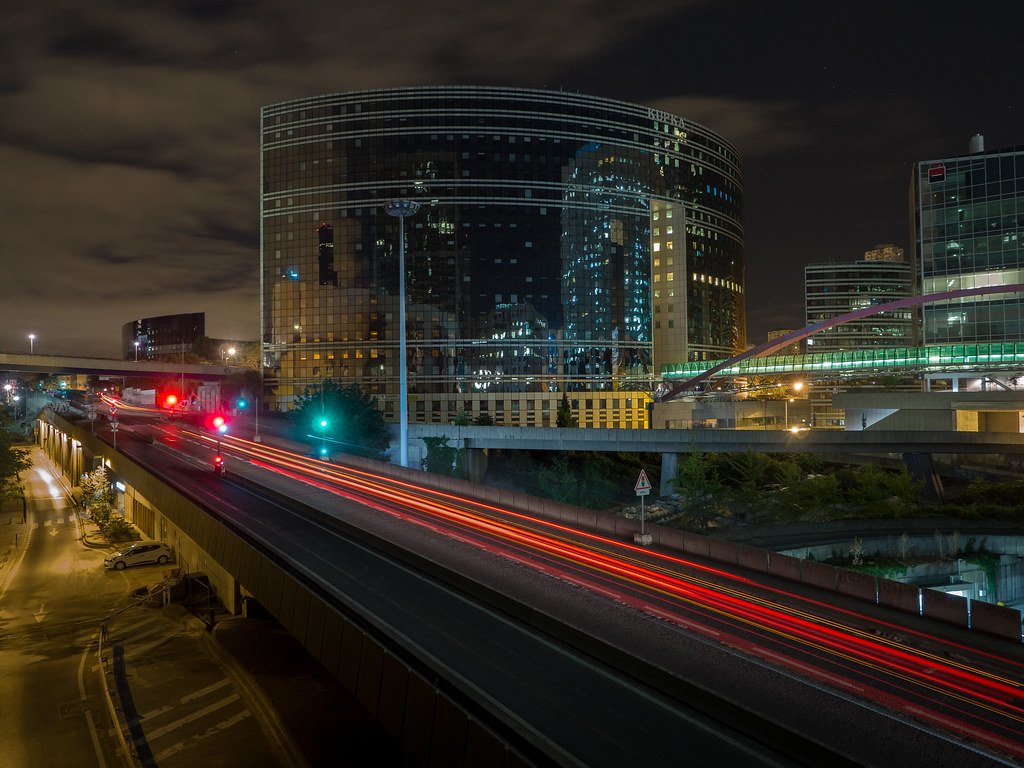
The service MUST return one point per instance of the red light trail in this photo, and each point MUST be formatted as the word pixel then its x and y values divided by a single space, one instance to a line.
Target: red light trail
pixel 833 650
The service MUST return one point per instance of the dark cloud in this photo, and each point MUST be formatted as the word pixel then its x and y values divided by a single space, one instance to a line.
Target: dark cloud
pixel 129 142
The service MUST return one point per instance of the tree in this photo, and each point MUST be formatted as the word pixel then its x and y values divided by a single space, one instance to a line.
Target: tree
pixel 762 388
pixel 559 480
pixel 354 423
pixel 13 461
pixel 564 417
pixel 96 489
pixel 745 473
pixel 442 459
pixel 484 420
pixel 698 486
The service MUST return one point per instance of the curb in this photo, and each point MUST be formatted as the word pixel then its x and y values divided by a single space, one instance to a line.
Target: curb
pixel 273 728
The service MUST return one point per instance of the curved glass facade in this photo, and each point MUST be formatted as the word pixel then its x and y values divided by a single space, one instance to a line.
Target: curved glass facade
pixel 565 242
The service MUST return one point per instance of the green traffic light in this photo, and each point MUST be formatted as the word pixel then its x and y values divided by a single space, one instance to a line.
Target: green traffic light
pixel 241 403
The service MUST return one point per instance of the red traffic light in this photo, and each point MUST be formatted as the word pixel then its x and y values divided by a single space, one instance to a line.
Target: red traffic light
pixel 171 400
pixel 218 423
pixel 218 460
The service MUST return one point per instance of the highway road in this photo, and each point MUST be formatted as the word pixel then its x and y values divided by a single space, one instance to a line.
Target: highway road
pixel 879 691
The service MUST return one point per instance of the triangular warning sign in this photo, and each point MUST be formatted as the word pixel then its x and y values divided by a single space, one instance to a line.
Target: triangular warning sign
pixel 642 483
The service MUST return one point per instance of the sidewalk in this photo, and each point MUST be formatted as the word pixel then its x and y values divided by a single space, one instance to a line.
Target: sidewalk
pixel 245 693
pixel 242 692
pixel 183 693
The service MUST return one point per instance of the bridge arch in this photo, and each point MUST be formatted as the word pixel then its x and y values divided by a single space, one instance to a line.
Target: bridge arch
pixel 774 345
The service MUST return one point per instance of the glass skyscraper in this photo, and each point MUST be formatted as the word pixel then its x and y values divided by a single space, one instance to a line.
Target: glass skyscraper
pixel 565 243
pixel 968 219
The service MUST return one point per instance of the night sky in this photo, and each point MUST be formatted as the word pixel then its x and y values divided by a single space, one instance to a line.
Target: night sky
pixel 129 152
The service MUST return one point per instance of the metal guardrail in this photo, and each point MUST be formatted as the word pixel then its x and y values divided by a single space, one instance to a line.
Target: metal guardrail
pixel 131 757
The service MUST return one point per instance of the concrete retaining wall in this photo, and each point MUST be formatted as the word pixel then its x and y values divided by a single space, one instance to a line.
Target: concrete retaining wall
pixel 784 566
pixel 819 574
pixel 861 585
pixel 896 594
pixel 723 551
pixel 752 558
pixel 948 608
pixel 996 620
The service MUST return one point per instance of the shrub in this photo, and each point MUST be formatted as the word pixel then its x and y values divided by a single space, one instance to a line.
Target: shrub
pixel 118 529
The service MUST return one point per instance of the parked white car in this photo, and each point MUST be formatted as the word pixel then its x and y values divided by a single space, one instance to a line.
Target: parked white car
pixel 139 553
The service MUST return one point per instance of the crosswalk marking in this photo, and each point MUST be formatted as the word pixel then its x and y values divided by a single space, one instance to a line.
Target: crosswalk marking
pixel 192 740
pixel 204 691
pixel 158 732
pixel 138 650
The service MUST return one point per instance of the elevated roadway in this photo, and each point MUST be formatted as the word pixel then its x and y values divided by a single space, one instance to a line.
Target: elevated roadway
pixel 722 440
pixel 60 364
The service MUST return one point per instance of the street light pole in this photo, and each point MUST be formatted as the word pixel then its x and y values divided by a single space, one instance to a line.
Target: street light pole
pixel 31 343
pixel 401 209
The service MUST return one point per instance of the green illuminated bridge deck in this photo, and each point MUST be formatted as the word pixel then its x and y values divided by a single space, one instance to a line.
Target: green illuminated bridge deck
pixel 964 358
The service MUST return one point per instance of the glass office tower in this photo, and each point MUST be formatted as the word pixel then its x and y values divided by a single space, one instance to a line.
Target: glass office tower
pixel 565 243
pixel 834 289
pixel 967 214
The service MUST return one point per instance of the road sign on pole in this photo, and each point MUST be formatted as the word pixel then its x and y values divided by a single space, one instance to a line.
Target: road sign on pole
pixel 642 488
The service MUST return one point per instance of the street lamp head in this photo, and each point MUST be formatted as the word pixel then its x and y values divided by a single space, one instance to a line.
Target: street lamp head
pixel 797 386
pixel 401 208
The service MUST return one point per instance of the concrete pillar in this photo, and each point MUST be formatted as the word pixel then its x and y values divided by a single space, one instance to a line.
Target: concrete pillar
pixel 669 467
pixel 475 464
pixel 922 469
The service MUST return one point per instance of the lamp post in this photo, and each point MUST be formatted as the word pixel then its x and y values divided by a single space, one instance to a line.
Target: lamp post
pixel 31 343
pixel 797 386
pixel 401 209
pixel 136 351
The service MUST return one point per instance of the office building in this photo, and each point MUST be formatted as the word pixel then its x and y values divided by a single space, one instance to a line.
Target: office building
pixel 834 289
pixel 967 215
pixel 565 243
pixel 153 337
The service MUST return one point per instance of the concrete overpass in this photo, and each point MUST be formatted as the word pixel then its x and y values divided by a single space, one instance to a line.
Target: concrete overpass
pixel 670 443
pixel 96 366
